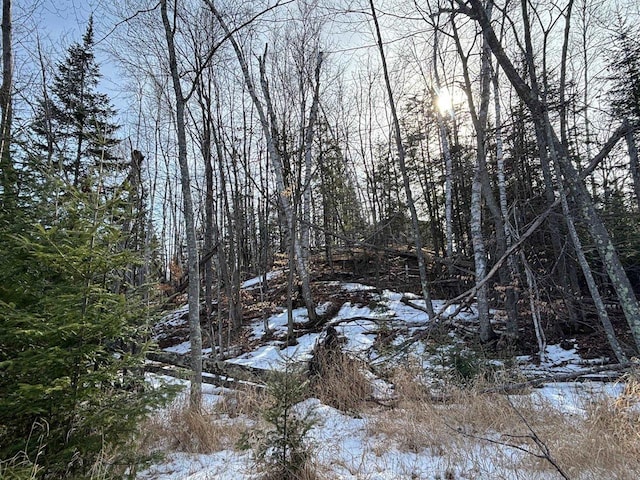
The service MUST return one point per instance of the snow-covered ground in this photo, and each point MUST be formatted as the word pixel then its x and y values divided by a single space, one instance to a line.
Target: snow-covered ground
pixel 345 446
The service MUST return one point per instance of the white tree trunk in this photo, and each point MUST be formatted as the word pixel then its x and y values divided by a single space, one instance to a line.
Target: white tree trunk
pixel 511 294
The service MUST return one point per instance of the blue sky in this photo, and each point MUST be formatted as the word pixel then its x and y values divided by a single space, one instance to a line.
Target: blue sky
pixel 58 24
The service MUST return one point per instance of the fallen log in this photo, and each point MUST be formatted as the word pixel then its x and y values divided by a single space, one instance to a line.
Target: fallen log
pixel 213 366
pixel 217 380
pixel 562 377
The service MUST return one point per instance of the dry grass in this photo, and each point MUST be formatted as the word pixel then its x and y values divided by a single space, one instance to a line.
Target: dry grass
pixel 340 381
pixel 473 434
pixel 180 428
pixel 308 472
pixel 245 402
pixel 603 444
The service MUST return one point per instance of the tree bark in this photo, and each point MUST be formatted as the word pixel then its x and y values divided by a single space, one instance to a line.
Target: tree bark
pixel 511 292
pixel 195 334
pixel 7 168
pixel 479 119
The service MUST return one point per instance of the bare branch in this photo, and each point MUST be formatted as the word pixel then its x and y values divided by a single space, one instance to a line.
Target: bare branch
pixel 125 20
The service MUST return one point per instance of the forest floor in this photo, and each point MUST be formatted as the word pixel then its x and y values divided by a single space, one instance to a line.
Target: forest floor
pixel 393 396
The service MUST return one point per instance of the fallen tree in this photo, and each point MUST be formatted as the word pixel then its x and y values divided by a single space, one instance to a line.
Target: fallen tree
pixel 212 366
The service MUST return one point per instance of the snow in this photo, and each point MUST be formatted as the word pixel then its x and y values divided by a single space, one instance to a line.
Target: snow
pixel 271 357
pixel 182 348
pixel 355 287
pixel 175 318
pixel 342 444
pixel 360 335
pixel 225 465
pixel 278 323
pixel 254 282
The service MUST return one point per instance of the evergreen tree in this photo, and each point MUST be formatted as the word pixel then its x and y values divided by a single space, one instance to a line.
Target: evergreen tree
pixel 625 94
pixel 340 203
pixel 74 126
pixel 625 69
pixel 72 333
pixel 71 385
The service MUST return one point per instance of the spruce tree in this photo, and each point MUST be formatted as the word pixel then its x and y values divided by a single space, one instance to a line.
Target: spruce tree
pixel 71 381
pixel 72 333
pixel 625 69
pixel 74 126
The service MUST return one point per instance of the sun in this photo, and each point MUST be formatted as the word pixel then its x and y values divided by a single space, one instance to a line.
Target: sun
pixel 444 101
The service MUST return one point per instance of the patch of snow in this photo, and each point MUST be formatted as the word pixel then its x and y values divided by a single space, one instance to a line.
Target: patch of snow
pixel 271 357
pixel 407 313
pixel 572 397
pixel 225 465
pixel 469 313
pixel 359 455
pixel 356 287
pixel 265 357
pixel 360 335
pixel 302 352
pixel 382 390
pixel 393 296
pixel 349 310
pixel 556 360
pixel 175 317
pixel 253 282
pixel 278 322
pixel 323 308
pixel 556 355
pixel 184 347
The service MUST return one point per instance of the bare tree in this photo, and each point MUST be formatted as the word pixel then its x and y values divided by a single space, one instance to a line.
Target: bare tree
pixel 195 334
pixel 403 169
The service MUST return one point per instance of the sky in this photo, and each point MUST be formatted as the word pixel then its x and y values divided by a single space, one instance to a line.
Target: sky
pixel 56 24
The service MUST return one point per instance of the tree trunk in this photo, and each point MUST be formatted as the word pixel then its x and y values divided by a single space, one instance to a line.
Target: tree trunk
pixel 7 169
pixel 511 292
pixel 308 143
pixel 195 335
pixel 479 119
pixel 403 170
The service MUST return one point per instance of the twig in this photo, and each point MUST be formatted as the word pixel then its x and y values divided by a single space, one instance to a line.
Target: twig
pixel 541 445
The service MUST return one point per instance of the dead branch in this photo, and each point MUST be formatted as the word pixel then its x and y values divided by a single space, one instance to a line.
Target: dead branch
pixel 217 380
pixel 563 377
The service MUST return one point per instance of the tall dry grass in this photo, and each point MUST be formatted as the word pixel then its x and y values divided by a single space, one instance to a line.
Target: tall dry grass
pixel 340 381
pixel 491 433
pixel 218 427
